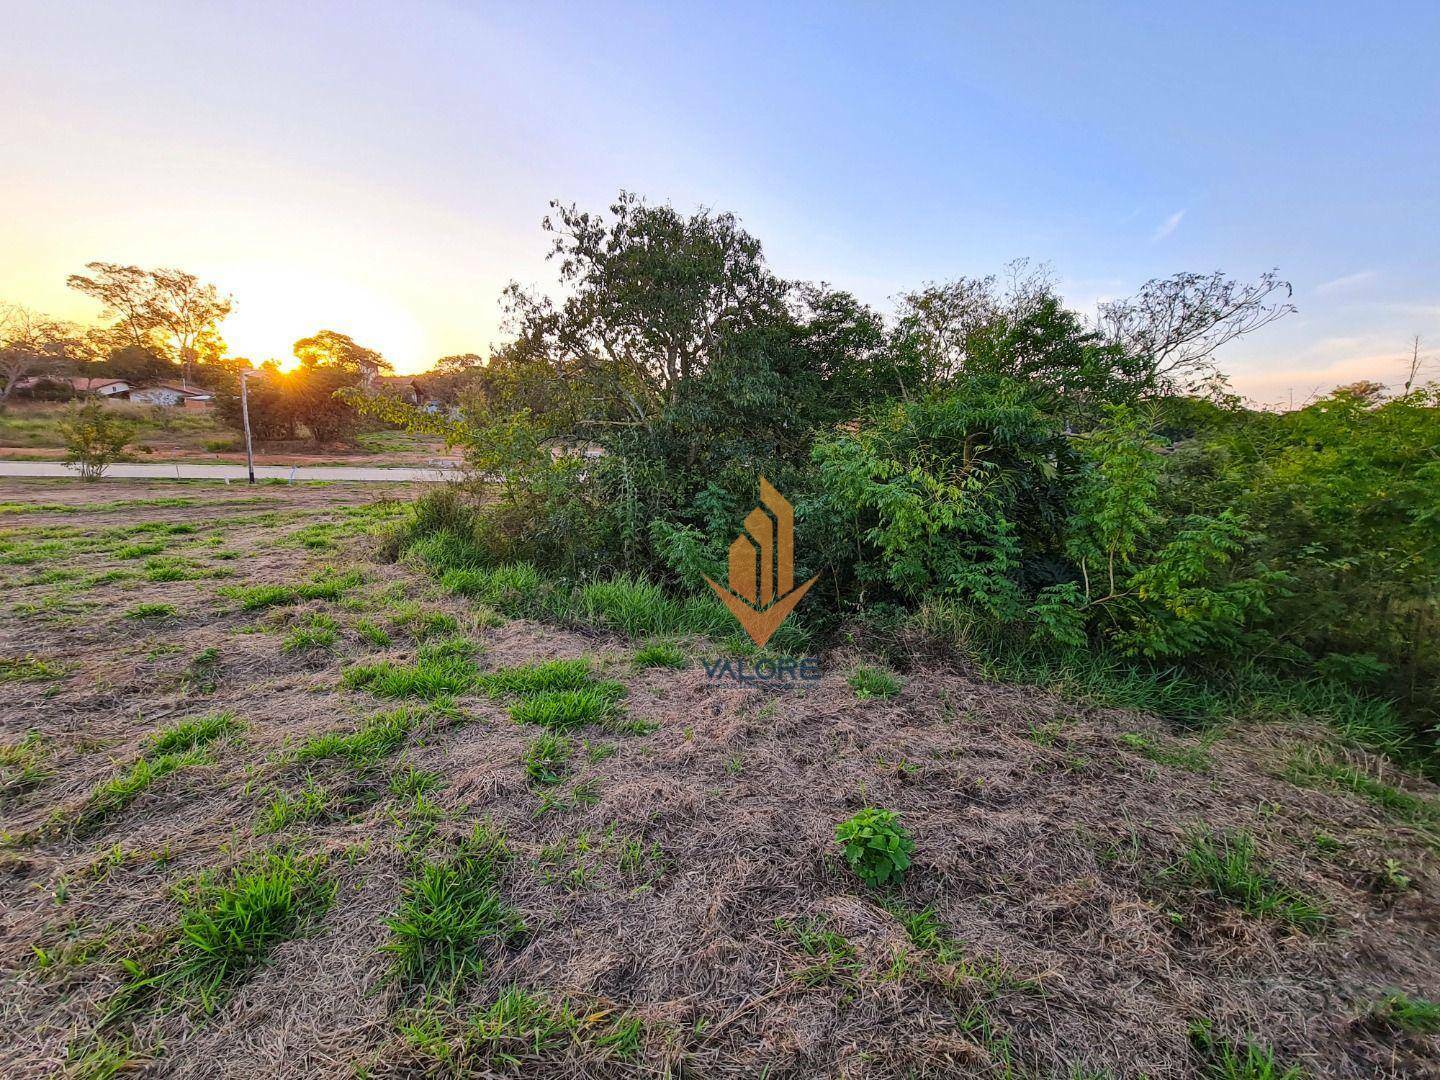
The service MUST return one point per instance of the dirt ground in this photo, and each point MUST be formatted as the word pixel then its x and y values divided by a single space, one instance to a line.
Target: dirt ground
pixel 1046 842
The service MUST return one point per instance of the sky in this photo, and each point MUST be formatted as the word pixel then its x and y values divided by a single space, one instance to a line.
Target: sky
pixel 382 169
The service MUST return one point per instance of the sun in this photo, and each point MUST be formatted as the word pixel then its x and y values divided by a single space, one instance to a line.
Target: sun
pixel 274 308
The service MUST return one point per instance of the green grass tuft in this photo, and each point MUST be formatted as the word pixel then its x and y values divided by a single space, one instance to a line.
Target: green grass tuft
pixel 329 586
pixel 151 610
pixel 194 733
pixel 869 682
pixel 660 654
pixel 569 708
pixel 285 809
pixel 533 678
pixel 1404 1013
pixel 378 738
pixel 547 758
pixel 319 631
pixel 450 911
pixel 429 677
pixel 1228 867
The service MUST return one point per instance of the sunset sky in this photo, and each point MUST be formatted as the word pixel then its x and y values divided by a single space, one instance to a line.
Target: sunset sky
pixel 381 169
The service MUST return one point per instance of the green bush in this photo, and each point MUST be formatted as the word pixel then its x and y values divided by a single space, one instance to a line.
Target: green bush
pixel 876 845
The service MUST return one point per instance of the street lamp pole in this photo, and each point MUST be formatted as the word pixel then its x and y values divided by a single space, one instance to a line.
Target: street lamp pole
pixel 245 420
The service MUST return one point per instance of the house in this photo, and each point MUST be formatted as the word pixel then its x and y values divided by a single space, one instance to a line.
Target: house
pixel 79 384
pixel 168 393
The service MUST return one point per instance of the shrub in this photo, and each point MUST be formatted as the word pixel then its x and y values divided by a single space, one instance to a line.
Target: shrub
pixel 93 439
pixel 876 845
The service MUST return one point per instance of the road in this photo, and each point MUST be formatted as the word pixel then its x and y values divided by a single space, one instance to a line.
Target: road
pixel 152 471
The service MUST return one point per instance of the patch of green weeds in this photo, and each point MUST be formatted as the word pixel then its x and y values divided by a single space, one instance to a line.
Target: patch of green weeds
pixel 29 669
pixel 376 739
pixel 193 733
pixel 318 631
pixel 22 764
pixel 547 758
pixel 877 847
pixel 660 654
pixel 328 586
pixel 871 682
pixel 1190 758
pixel 1401 1012
pixel 1221 1059
pixel 152 610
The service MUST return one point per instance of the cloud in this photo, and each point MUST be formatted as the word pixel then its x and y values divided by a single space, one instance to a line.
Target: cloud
pixel 1346 282
pixel 1168 226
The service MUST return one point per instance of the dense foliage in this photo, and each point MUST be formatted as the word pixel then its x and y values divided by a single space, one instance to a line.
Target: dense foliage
pixel 986 467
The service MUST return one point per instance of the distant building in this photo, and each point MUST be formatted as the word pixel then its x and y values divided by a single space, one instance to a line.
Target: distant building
pixel 168 393
pixel 78 384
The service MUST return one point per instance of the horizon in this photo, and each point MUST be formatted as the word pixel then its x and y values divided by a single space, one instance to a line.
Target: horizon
pixel 390 191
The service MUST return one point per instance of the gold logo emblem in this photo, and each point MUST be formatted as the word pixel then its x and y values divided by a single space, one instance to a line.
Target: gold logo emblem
pixel 762 568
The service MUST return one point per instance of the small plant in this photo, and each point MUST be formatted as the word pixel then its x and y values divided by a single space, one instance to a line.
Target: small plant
pixel 93 439
pixel 546 758
pixel 869 682
pixel 1404 1013
pixel 140 551
pixel 286 809
pixel 413 782
pixel 431 676
pixel 1189 758
pixel 372 633
pixel 28 669
pixel 120 791
pixel 532 678
pixel 152 610
pixel 328 586
pixel 229 923
pixel 876 845
pixel 203 672
pixel 1227 866
pixel 22 764
pixel 660 654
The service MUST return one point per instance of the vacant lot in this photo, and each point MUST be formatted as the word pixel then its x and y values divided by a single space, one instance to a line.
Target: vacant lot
pixel 274 807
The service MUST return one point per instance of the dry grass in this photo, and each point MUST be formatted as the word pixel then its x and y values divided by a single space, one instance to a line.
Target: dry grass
pixel 671 856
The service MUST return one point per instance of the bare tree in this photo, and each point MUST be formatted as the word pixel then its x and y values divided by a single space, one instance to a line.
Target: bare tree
pixel 170 312
pixel 1178 322
pixel 1415 364
pixel 30 343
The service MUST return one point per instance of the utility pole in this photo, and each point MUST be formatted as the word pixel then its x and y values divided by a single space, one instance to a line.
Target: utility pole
pixel 245 420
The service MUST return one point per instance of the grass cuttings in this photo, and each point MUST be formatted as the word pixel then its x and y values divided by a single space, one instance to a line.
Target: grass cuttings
pixel 451 910
pixel 1227 867
pixel 228 925
pixel 330 586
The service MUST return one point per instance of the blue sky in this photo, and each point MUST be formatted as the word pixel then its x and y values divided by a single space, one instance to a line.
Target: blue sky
pixel 381 169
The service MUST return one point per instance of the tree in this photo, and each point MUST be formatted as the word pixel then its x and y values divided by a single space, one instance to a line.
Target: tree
pixel 171 312
pixel 30 343
pixel 332 349
pixel 1178 322
pixel 93 439
pixel 653 298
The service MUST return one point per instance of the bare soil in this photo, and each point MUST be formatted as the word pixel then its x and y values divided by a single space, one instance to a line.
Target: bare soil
pixel 1045 845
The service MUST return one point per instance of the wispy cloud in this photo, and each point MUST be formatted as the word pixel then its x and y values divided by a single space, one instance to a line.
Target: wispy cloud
pixel 1166 227
pixel 1346 282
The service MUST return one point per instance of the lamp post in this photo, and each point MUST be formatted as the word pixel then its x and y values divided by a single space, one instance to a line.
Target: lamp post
pixel 245 421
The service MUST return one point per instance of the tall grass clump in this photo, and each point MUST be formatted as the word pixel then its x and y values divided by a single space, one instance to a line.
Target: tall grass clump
pixel 193 733
pixel 435 674
pixel 376 739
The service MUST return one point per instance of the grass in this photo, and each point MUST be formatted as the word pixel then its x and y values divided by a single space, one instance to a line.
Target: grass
pixel 194 733
pixel 869 682
pixel 372 633
pixel 547 758
pixel 511 588
pixel 639 608
pixel 1190 758
pixel 568 708
pixel 329 586
pixel 22 764
pixel 449 912
pixel 422 623
pixel 285 809
pixel 1221 1060
pixel 1404 1013
pixel 431 676
pixel 29 669
pixel 1228 867
pixel 660 654
pixel 152 610
pixel 319 631
pixel 534 678
pixel 140 550
pixel 115 794
pixel 413 782
pixel 229 923
pixel 378 738
pixel 1311 767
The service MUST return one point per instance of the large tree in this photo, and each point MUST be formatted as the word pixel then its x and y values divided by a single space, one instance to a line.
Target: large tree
pixel 330 348
pixel 30 344
pixel 170 312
